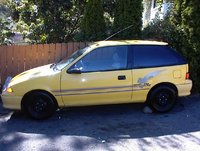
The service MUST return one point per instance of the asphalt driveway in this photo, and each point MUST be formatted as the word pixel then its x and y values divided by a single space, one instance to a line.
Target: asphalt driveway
pixel 111 127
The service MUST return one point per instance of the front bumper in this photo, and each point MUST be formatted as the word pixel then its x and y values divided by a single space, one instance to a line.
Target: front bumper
pixel 185 89
pixel 11 102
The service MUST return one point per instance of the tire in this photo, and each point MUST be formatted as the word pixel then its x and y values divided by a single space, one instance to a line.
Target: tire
pixel 162 99
pixel 39 105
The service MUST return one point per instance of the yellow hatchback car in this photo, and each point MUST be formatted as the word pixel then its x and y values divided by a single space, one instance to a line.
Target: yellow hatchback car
pixel 106 72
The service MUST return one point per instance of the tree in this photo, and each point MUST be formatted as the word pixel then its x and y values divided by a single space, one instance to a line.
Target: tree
pixel 109 7
pixel 187 17
pixel 177 19
pixel 191 21
pixel 3 9
pixel 47 21
pixel 93 25
pixel 128 12
pixel 109 12
pixel 5 32
pixel 5 24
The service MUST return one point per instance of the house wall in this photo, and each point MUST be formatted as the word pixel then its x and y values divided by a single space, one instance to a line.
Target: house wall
pixel 153 10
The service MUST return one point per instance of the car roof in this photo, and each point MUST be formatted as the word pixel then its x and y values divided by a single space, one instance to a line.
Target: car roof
pixel 127 42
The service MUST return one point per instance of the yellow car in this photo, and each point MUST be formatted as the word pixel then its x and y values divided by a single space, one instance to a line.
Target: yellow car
pixel 106 72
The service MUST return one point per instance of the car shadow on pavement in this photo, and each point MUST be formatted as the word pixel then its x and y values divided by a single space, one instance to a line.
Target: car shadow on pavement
pixel 108 123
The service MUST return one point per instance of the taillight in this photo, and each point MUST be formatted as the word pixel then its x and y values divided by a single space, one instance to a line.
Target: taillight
pixel 187 75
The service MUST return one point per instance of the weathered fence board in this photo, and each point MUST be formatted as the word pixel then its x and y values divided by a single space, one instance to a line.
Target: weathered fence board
pixel 16 59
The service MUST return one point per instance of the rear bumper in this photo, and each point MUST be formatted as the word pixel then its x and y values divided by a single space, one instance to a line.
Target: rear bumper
pixel 11 102
pixel 184 89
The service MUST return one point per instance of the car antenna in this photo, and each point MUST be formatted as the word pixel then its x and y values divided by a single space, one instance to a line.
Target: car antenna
pixel 118 32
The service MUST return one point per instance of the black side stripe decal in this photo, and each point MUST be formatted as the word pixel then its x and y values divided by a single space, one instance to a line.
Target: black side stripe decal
pixel 93 93
pixel 87 89
pixel 99 92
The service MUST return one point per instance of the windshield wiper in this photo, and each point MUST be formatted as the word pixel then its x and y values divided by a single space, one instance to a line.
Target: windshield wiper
pixel 52 65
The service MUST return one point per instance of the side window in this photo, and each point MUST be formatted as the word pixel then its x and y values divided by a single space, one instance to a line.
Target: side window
pixel 104 59
pixel 155 56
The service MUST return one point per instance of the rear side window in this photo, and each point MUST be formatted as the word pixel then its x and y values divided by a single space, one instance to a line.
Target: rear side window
pixel 155 56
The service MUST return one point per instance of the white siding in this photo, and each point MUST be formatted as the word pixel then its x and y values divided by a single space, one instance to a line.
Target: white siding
pixel 150 12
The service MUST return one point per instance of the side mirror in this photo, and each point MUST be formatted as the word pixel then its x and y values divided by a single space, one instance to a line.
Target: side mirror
pixel 74 71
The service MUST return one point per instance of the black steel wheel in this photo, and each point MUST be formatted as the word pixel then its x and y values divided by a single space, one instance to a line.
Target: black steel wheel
pixel 162 99
pixel 39 105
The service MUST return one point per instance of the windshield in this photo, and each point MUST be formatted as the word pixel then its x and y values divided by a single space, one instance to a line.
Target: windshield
pixel 66 61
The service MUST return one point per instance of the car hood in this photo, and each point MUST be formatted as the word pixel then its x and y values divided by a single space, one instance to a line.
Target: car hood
pixel 42 71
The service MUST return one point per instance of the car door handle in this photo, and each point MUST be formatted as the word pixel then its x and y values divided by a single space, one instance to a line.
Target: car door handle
pixel 122 77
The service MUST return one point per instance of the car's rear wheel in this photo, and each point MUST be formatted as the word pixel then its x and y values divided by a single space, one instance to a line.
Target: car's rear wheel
pixel 162 99
pixel 39 105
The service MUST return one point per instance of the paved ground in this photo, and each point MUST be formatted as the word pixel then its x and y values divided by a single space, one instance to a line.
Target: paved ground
pixel 113 127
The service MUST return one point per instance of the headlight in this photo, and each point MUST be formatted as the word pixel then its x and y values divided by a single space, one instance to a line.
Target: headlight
pixel 9 90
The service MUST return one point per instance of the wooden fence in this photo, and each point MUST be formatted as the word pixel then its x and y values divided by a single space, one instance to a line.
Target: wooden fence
pixel 16 59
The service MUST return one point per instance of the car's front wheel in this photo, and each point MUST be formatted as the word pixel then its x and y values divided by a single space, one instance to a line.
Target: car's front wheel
pixel 39 105
pixel 162 99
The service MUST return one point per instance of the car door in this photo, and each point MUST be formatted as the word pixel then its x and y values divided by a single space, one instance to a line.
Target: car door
pixel 101 77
